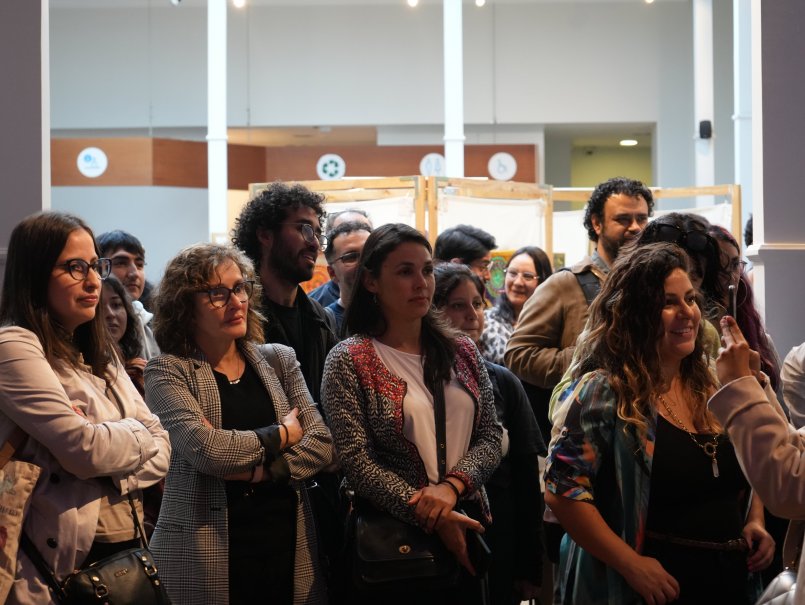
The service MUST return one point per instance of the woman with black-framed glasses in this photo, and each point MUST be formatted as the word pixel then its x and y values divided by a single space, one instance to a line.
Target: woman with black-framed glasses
pixel 65 394
pixel 246 436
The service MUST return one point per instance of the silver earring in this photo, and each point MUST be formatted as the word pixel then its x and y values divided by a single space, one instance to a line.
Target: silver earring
pixel 374 298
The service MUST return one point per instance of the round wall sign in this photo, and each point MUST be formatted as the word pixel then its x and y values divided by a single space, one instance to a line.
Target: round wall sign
pixel 92 162
pixel 432 164
pixel 330 167
pixel 502 166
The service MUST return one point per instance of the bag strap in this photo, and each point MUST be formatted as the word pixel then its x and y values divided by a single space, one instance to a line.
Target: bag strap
pixel 137 527
pixel 590 285
pixel 12 444
pixel 439 415
pixel 42 567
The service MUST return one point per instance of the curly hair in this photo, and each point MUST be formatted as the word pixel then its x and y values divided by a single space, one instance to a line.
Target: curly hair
pixel 625 329
pixel 187 273
pixel 706 261
pixel 267 211
pixel 33 249
pixel 614 186
pixel 364 315
pixel 130 344
pixel 544 271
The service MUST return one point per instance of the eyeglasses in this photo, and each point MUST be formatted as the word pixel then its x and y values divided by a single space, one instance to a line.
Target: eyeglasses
pixel 348 259
pixel 695 241
pixel 79 268
pixel 124 262
pixel 311 237
pixel 736 266
pixel 219 296
pixel 527 277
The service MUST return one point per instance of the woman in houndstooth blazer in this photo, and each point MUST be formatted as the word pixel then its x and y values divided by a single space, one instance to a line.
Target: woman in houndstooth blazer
pixel 235 524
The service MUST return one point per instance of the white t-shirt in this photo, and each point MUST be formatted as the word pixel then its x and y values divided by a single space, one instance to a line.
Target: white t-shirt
pixel 419 425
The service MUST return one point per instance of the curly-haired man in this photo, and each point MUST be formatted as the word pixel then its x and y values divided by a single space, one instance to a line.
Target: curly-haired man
pixel 280 230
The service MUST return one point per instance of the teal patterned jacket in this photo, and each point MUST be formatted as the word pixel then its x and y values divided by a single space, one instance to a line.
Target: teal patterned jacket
pixel 594 460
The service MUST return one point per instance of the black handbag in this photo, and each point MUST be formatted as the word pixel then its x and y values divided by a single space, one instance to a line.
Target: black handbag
pixel 394 556
pixel 128 577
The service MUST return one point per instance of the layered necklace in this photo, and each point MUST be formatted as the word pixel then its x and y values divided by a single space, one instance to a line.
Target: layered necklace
pixel 710 448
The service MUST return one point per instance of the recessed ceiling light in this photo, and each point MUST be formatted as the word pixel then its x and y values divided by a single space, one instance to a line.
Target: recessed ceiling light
pixel 480 3
pixel 412 3
pixel 628 143
pixel 238 3
pixel 649 1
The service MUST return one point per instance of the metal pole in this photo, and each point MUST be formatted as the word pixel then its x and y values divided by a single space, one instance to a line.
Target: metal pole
pixel 216 119
pixel 453 89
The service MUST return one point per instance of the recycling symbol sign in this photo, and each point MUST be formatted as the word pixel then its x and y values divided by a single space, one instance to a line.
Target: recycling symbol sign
pixel 330 167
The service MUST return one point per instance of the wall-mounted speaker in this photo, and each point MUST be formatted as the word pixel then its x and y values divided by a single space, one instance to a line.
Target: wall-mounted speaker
pixel 705 129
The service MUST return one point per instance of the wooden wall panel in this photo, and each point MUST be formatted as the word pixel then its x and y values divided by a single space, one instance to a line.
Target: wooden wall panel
pixel 174 163
pixel 299 163
pixel 180 163
pixel 130 162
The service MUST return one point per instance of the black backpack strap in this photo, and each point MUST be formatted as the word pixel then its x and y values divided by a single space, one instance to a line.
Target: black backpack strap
pixel 590 285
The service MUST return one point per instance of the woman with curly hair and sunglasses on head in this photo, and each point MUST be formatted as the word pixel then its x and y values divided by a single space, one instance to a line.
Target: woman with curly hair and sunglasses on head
pixel 79 417
pixel 235 525
pixel 640 475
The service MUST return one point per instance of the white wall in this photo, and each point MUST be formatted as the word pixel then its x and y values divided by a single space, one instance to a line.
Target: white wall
pixel 164 219
pixel 525 64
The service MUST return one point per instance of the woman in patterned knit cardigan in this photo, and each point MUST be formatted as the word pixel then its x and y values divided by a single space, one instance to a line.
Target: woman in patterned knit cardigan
pixel 380 408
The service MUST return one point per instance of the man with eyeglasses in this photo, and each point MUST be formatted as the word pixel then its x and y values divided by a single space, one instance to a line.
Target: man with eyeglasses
pixel 344 246
pixel 128 264
pixel 466 245
pixel 328 292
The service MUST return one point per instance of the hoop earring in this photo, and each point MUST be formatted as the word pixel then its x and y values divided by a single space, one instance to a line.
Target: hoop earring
pixel 374 298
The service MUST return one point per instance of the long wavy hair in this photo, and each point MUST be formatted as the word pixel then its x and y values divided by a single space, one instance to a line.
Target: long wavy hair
pixel 543 267
pixel 624 338
pixel 748 318
pixel 193 269
pixel 33 249
pixel 130 344
pixel 365 317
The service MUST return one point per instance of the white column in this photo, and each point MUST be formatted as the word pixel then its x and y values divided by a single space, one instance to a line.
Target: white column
pixel 216 118
pixel 703 89
pixel 742 93
pixel 778 96
pixel 453 89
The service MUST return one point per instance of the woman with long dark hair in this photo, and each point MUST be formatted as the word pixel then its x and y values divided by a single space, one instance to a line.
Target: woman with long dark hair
pixel 121 323
pixel 379 390
pixel 641 475
pixel 527 268
pixel 515 535
pixel 62 384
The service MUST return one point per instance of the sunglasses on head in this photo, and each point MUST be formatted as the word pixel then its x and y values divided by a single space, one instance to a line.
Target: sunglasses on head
pixel 695 241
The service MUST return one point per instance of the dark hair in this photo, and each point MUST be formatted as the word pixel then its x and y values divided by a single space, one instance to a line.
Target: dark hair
pixel 465 242
pixel 332 217
pixel 625 322
pixel 33 249
pixel 706 261
pixel 364 315
pixel 748 318
pixel 267 210
pixel 748 232
pixel 130 345
pixel 614 186
pixel 448 277
pixel 544 271
pixel 174 302
pixel 111 241
pixel 342 229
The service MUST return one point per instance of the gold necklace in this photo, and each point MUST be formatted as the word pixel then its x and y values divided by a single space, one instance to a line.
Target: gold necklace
pixel 710 448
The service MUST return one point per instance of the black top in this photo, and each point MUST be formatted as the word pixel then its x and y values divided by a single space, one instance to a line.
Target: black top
pixel 245 405
pixel 307 330
pixel 686 500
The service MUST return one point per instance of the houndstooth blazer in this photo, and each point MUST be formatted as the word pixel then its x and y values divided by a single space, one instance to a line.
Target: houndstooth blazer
pixel 190 542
